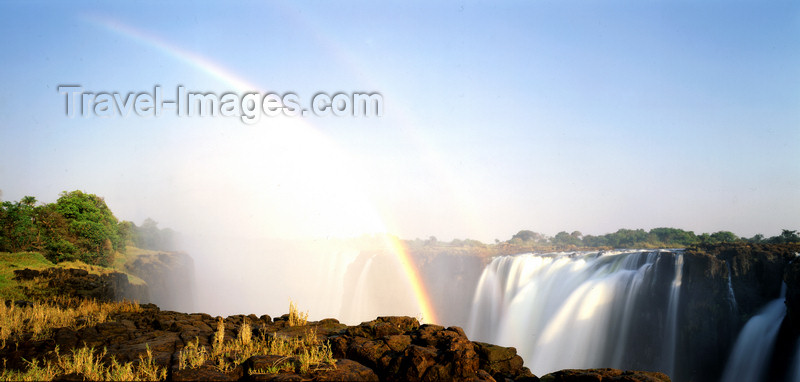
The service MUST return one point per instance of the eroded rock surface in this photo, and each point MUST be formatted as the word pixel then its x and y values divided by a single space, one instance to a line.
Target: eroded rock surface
pixel 386 349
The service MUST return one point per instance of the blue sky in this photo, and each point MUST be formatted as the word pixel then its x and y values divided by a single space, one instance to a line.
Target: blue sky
pixel 540 115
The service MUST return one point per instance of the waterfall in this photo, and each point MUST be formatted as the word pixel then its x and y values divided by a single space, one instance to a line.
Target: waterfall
pixel 375 285
pixel 581 310
pixel 731 295
pixel 329 272
pixel 751 353
pixel 359 303
pixel 671 337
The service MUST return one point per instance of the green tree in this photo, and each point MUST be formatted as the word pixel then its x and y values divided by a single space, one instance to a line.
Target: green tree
pixel 627 238
pixel 93 225
pixel 526 235
pixel 786 236
pixel 724 237
pixel 595 241
pixel 56 241
pixel 564 239
pixel 673 237
pixel 18 226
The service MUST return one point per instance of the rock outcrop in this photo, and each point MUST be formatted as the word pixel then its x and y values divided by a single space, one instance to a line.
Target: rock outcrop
pixel 724 285
pixel 599 375
pixel 386 349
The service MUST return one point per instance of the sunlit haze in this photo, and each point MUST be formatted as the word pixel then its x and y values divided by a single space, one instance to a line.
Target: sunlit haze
pixel 545 116
pixel 611 185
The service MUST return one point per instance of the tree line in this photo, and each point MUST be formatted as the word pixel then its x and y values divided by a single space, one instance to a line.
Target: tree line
pixel 78 226
pixel 639 238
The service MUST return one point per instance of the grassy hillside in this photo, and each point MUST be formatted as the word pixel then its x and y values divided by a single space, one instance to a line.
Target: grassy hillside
pixel 11 289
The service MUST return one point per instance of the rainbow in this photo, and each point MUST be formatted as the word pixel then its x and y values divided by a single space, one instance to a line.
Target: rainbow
pixel 412 273
pixel 201 63
pixel 394 244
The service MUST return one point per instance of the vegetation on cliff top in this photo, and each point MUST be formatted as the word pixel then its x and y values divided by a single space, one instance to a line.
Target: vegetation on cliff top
pixel 529 241
pixel 78 226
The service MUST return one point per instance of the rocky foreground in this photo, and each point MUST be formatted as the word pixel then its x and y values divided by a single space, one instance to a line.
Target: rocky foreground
pixel 385 349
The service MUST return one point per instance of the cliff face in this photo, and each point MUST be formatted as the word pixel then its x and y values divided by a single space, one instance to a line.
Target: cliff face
pixel 724 286
pixel 170 279
pixel 792 278
pixel 79 283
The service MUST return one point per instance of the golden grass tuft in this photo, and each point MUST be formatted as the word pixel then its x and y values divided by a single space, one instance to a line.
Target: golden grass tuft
pixel 192 355
pixel 88 363
pixel 41 319
pixel 296 317
pixel 306 349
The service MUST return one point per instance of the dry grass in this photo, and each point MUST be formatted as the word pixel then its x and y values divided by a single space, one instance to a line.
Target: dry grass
pixel 9 262
pixel 98 270
pixel 192 355
pixel 88 363
pixel 296 317
pixel 274 369
pixel 12 289
pixel 39 320
pixel 307 350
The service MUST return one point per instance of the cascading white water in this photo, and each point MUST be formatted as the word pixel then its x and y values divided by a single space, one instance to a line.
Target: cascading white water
pixel 580 310
pixel 671 338
pixel 731 295
pixel 330 272
pixel 359 301
pixel 750 357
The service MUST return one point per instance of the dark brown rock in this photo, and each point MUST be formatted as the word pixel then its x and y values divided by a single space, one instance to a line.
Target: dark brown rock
pixel 397 342
pixel 71 377
pixel 65 338
pixel 282 377
pixel 417 360
pixel 260 363
pixel 206 373
pixel 604 375
pixel 384 326
pixel 373 354
pixel 501 362
pixel 346 370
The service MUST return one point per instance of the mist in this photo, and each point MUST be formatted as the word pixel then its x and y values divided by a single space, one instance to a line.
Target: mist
pixel 496 119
